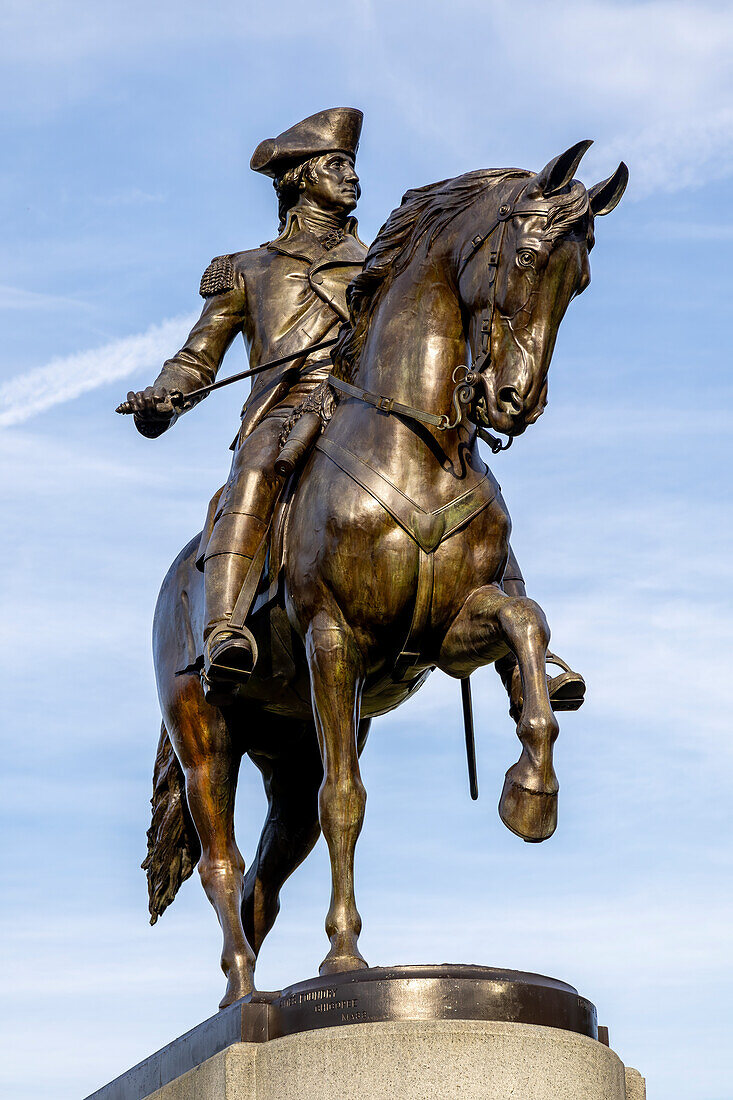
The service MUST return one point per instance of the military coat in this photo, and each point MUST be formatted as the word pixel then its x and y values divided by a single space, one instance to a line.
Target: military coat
pixel 282 297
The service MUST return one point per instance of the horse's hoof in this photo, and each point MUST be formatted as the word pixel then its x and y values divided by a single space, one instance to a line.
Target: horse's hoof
pixel 341 964
pixel 263 996
pixel 238 987
pixel 232 997
pixel 532 815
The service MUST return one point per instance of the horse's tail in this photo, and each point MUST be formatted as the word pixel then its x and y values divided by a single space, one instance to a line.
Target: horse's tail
pixel 173 844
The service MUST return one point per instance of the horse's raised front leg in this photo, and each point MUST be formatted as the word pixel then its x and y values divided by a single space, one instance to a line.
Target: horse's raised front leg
pixel 487 622
pixel 211 765
pixel 335 673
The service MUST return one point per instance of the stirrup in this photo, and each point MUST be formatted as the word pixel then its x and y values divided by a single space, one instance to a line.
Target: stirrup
pixel 567 690
pixel 230 655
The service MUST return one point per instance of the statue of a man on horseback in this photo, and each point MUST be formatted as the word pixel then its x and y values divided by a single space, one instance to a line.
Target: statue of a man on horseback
pixel 392 556
pixel 284 297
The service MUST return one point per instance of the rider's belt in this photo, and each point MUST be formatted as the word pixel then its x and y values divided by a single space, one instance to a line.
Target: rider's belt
pixel 428 529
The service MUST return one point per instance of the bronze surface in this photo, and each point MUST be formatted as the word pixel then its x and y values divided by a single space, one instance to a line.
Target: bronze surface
pixel 444 992
pixel 380 577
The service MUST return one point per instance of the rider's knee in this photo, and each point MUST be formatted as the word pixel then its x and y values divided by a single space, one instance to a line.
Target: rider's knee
pixel 236 532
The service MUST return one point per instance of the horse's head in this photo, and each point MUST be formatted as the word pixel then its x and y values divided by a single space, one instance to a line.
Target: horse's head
pixel 517 277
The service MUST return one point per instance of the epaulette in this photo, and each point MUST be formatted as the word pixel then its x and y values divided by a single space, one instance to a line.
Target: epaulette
pixel 219 276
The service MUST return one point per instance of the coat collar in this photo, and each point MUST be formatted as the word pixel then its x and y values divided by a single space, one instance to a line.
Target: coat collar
pixel 301 244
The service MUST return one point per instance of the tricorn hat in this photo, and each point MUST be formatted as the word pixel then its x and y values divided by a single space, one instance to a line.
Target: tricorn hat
pixel 335 130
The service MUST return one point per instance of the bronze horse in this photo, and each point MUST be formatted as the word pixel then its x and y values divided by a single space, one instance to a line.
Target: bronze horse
pixel 396 542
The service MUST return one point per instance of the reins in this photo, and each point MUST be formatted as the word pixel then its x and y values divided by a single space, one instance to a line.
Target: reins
pixel 464 391
pixel 179 400
pixel 463 394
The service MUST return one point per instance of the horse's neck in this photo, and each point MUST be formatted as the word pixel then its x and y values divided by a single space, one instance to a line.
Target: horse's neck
pixel 415 342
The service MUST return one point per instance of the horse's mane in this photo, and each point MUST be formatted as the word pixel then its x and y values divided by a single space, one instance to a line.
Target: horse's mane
pixel 425 212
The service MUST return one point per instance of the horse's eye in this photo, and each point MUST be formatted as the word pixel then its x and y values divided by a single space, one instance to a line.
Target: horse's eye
pixel 526 257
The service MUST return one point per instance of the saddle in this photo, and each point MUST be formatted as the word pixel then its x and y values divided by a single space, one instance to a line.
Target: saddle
pixel 268 582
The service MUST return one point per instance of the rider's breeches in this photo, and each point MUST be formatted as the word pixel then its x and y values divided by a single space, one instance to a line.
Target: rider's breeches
pixel 246 505
pixel 243 517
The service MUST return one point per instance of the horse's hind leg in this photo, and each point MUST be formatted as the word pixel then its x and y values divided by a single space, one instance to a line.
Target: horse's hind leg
pixel 291 828
pixel 210 762
pixel 489 621
pixel 292 781
pixel 336 680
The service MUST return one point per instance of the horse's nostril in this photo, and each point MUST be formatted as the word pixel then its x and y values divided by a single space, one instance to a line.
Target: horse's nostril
pixel 510 400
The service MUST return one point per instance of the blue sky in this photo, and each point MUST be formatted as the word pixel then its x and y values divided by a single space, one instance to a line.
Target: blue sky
pixel 127 131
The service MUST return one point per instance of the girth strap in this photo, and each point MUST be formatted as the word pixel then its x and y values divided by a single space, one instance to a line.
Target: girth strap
pixel 428 529
pixel 409 656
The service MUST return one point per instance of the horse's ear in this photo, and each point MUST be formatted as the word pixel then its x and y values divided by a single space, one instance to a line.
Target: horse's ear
pixel 606 196
pixel 559 172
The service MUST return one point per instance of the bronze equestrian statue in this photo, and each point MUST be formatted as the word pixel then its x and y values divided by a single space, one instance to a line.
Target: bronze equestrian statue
pixel 387 556
pixel 284 297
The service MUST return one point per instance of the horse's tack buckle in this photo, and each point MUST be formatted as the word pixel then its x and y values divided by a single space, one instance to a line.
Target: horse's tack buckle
pixel 385 404
pixel 463 395
pixel 470 378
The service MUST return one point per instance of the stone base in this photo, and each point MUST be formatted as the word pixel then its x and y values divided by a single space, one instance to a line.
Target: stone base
pixel 414 1060
pixel 474 1033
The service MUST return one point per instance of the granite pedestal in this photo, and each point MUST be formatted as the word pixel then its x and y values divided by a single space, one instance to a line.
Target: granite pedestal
pixel 417 1033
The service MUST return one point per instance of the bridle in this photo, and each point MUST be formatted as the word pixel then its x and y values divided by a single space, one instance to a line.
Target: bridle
pixel 464 392
pixel 512 207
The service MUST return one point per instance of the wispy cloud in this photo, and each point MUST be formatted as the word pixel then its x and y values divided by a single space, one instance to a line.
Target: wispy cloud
pixel 16 298
pixel 654 76
pixel 68 377
pixel 650 80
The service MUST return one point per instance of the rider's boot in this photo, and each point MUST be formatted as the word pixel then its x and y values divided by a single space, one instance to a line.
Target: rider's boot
pixel 567 690
pixel 229 652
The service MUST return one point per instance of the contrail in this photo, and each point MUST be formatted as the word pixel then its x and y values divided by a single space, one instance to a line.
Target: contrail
pixel 67 377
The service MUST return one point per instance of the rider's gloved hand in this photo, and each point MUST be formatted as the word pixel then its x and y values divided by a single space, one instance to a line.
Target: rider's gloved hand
pixel 153 410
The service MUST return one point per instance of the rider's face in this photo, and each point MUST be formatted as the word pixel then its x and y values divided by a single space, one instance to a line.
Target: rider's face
pixel 333 184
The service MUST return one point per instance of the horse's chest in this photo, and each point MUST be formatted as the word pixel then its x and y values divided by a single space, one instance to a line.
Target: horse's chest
pixel 428 514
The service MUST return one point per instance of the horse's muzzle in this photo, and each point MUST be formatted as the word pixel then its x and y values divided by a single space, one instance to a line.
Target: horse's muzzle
pixel 509 401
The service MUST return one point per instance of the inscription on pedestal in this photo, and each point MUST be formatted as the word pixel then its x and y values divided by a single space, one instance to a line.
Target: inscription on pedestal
pixel 430 993
pixel 345 1010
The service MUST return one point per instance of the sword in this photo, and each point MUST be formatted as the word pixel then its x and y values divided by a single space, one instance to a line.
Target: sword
pixel 179 399
pixel 470 740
